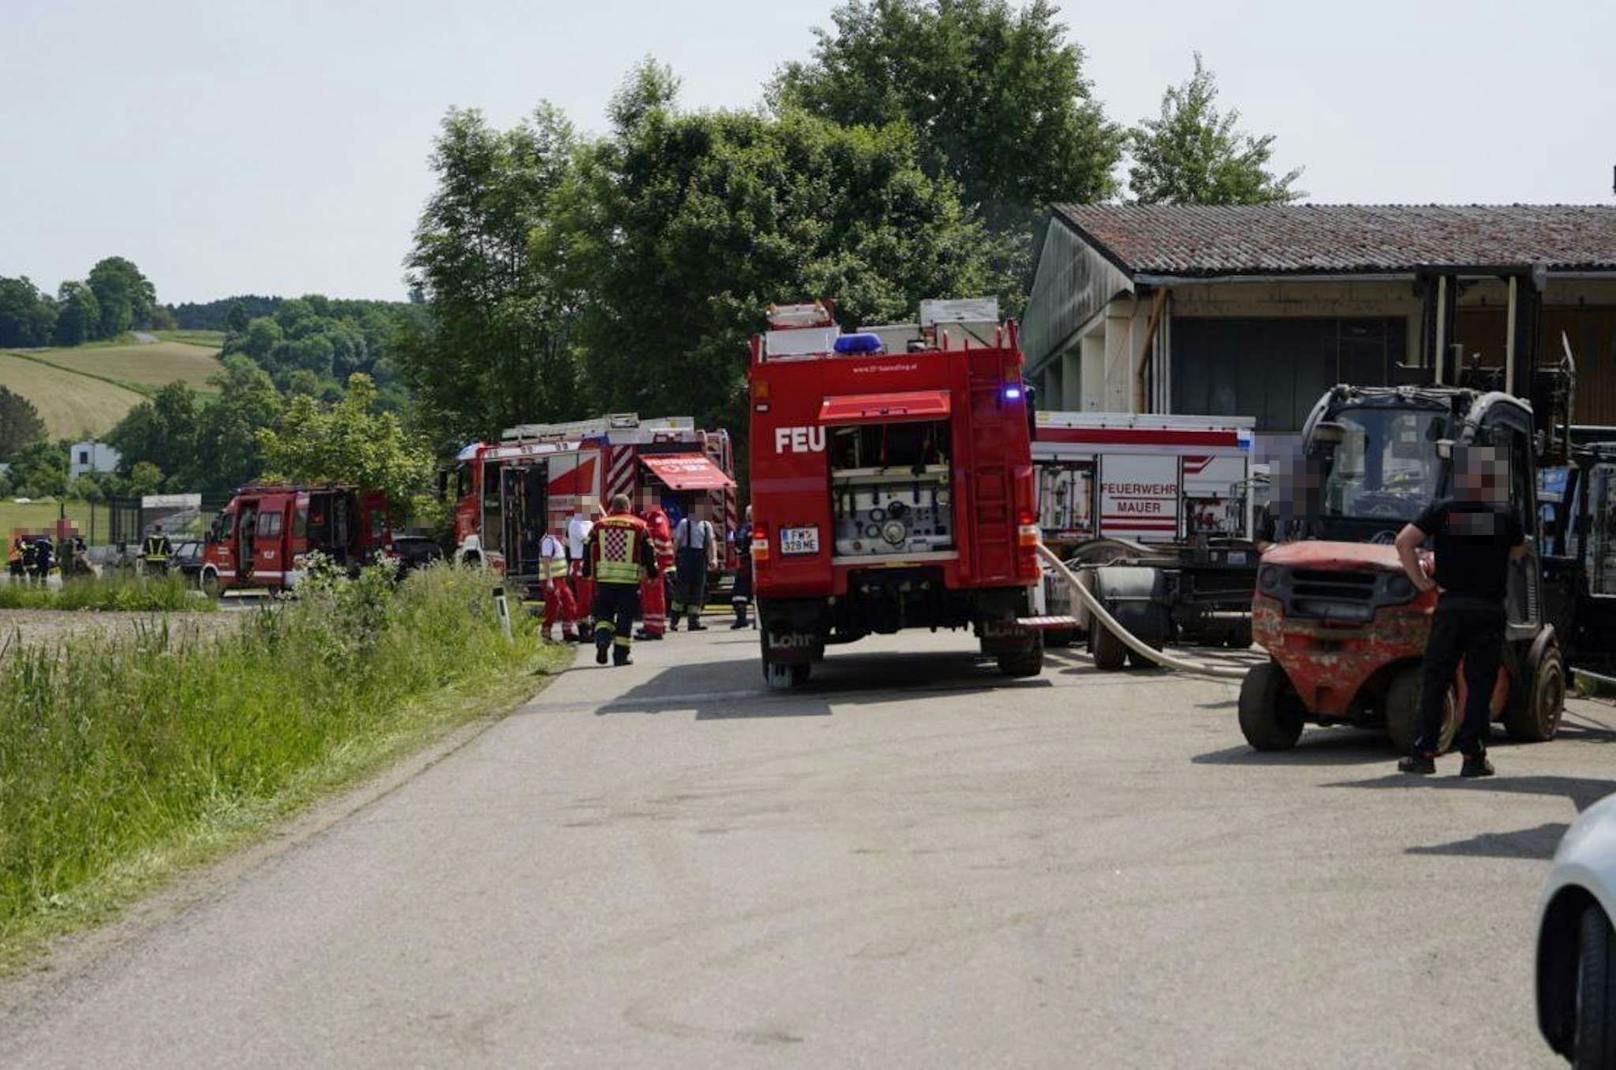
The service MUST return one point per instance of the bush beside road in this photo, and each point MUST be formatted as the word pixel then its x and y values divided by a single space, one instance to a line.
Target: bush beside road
pixel 125 757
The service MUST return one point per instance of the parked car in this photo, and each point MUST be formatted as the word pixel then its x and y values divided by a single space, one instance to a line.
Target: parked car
pixel 415 551
pixel 1576 947
pixel 187 560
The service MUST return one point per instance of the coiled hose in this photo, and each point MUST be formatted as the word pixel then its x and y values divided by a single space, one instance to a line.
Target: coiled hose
pixel 1138 646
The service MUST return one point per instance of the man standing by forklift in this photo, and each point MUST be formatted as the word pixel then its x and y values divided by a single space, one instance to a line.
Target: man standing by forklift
pixel 1476 534
pixel 616 554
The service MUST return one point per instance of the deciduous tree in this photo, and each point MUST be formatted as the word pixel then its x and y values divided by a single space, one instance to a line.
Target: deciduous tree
pixel 349 442
pixel 19 422
pixel 1194 154
pixel 996 95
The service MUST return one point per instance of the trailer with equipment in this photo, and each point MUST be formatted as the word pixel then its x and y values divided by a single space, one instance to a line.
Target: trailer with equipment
pixel 892 484
pixel 1155 514
pixel 1343 625
pixel 507 494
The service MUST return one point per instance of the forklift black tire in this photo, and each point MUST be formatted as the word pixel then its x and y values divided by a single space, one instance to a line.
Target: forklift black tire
pixel 1403 712
pixel 1110 652
pixel 1538 718
pixel 1024 663
pixel 1270 714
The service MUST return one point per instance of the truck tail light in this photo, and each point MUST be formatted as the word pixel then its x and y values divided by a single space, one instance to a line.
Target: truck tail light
pixel 760 542
pixel 1027 533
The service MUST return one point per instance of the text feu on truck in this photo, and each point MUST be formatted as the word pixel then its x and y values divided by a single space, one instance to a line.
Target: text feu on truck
pixel 892 484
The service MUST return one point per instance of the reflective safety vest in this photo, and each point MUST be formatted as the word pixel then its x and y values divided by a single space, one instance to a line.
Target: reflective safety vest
pixel 552 558
pixel 156 548
pixel 617 549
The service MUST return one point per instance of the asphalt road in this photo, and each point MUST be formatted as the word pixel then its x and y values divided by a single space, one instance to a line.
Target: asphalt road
pixel 913 863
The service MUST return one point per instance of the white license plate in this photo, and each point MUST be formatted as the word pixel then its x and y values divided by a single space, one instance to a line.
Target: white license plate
pixel 795 541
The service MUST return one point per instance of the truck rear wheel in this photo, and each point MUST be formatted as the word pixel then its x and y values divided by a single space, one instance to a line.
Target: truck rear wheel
pixel 1110 652
pixel 1270 712
pixel 1537 719
pixel 208 581
pixel 1024 663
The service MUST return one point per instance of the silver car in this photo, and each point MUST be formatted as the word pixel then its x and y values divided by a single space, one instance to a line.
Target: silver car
pixel 1576 947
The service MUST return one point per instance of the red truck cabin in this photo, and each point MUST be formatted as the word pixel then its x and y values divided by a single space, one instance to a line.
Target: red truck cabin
pixel 262 537
pixel 890 489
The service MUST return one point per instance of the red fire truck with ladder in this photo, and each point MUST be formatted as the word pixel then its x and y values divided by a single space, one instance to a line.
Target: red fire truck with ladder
pixel 892 484
pixel 508 493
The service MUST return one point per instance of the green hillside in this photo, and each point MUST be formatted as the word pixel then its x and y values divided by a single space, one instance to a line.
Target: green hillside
pixel 90 388
pixel 69 403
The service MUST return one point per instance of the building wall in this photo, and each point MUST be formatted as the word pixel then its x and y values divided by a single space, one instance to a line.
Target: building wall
pixel 91 457
pixel 1071 288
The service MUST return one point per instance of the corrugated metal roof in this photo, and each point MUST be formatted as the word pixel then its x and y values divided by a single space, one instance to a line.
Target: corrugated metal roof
pixel 1302 239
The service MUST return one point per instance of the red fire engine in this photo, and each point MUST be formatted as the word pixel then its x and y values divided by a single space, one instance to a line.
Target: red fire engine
pixel 261 538
pixel 508 493
pixel 892 484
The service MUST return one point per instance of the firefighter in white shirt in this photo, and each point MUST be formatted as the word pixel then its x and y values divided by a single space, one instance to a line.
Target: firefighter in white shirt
pixel 583 588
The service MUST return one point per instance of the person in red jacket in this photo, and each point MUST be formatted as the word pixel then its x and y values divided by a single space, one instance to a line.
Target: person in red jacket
pixel 653 592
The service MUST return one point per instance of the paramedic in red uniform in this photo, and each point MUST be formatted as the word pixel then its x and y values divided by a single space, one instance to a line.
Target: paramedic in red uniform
pixel 653 594
pixel 617 556
pixel 558 600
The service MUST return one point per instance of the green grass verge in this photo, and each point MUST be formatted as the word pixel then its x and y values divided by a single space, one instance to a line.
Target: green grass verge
pixel 139 756
pixel 123 594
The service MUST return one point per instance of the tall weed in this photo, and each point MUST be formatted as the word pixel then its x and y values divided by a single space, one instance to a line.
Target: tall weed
pixel 127 742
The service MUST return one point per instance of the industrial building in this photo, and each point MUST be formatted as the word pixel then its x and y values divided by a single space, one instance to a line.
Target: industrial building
pixel 1257 310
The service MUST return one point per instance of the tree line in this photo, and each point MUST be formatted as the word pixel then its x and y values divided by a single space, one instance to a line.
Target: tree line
pixel 911 156
pixel 115 297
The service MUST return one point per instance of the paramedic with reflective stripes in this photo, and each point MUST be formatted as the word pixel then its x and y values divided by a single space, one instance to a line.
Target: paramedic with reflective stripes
pixel 695 552
pixel 616 556
pixel 653 594
pixel 558 600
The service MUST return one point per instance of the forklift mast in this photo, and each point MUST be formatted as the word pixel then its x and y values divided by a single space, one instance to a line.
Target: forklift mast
pixel 1549 388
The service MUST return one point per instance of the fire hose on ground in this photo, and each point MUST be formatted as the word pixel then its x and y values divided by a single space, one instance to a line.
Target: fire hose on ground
pixel 1104 618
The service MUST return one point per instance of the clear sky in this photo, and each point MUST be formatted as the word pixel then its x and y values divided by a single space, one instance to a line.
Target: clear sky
pixel 280 146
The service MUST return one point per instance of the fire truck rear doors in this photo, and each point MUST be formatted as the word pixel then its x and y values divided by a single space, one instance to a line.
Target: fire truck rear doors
pixel 524 488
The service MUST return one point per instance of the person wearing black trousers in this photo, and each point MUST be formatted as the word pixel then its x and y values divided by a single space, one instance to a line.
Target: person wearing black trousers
pixel 1476 535
pixel 741 596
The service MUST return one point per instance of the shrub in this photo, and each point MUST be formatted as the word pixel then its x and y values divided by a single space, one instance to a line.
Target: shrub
pixel 156 594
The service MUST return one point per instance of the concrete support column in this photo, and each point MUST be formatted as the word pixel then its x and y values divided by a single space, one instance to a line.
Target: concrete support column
pixel 1071 398
pixel 1119 357
pixel 1092 361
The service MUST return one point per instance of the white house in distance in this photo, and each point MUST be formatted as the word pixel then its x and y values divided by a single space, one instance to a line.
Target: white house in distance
pixel 91 456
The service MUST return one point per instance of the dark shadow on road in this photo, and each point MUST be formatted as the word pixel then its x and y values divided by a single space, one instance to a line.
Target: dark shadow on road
pixel 1582 791
pixel 1535 843
pixel 1322 746
pixel 728 690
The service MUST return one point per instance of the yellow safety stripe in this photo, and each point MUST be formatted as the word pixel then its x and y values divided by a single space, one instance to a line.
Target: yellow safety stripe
pixel 623 640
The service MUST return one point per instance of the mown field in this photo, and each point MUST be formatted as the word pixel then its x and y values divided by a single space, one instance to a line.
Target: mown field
pixel 143 368
pixel 89 388
pixel 38 516
pixel 69 403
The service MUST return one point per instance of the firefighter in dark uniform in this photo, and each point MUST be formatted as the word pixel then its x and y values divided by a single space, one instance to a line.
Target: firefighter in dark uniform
pixel 1476 535
pixel 617 555
pixel 156 552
